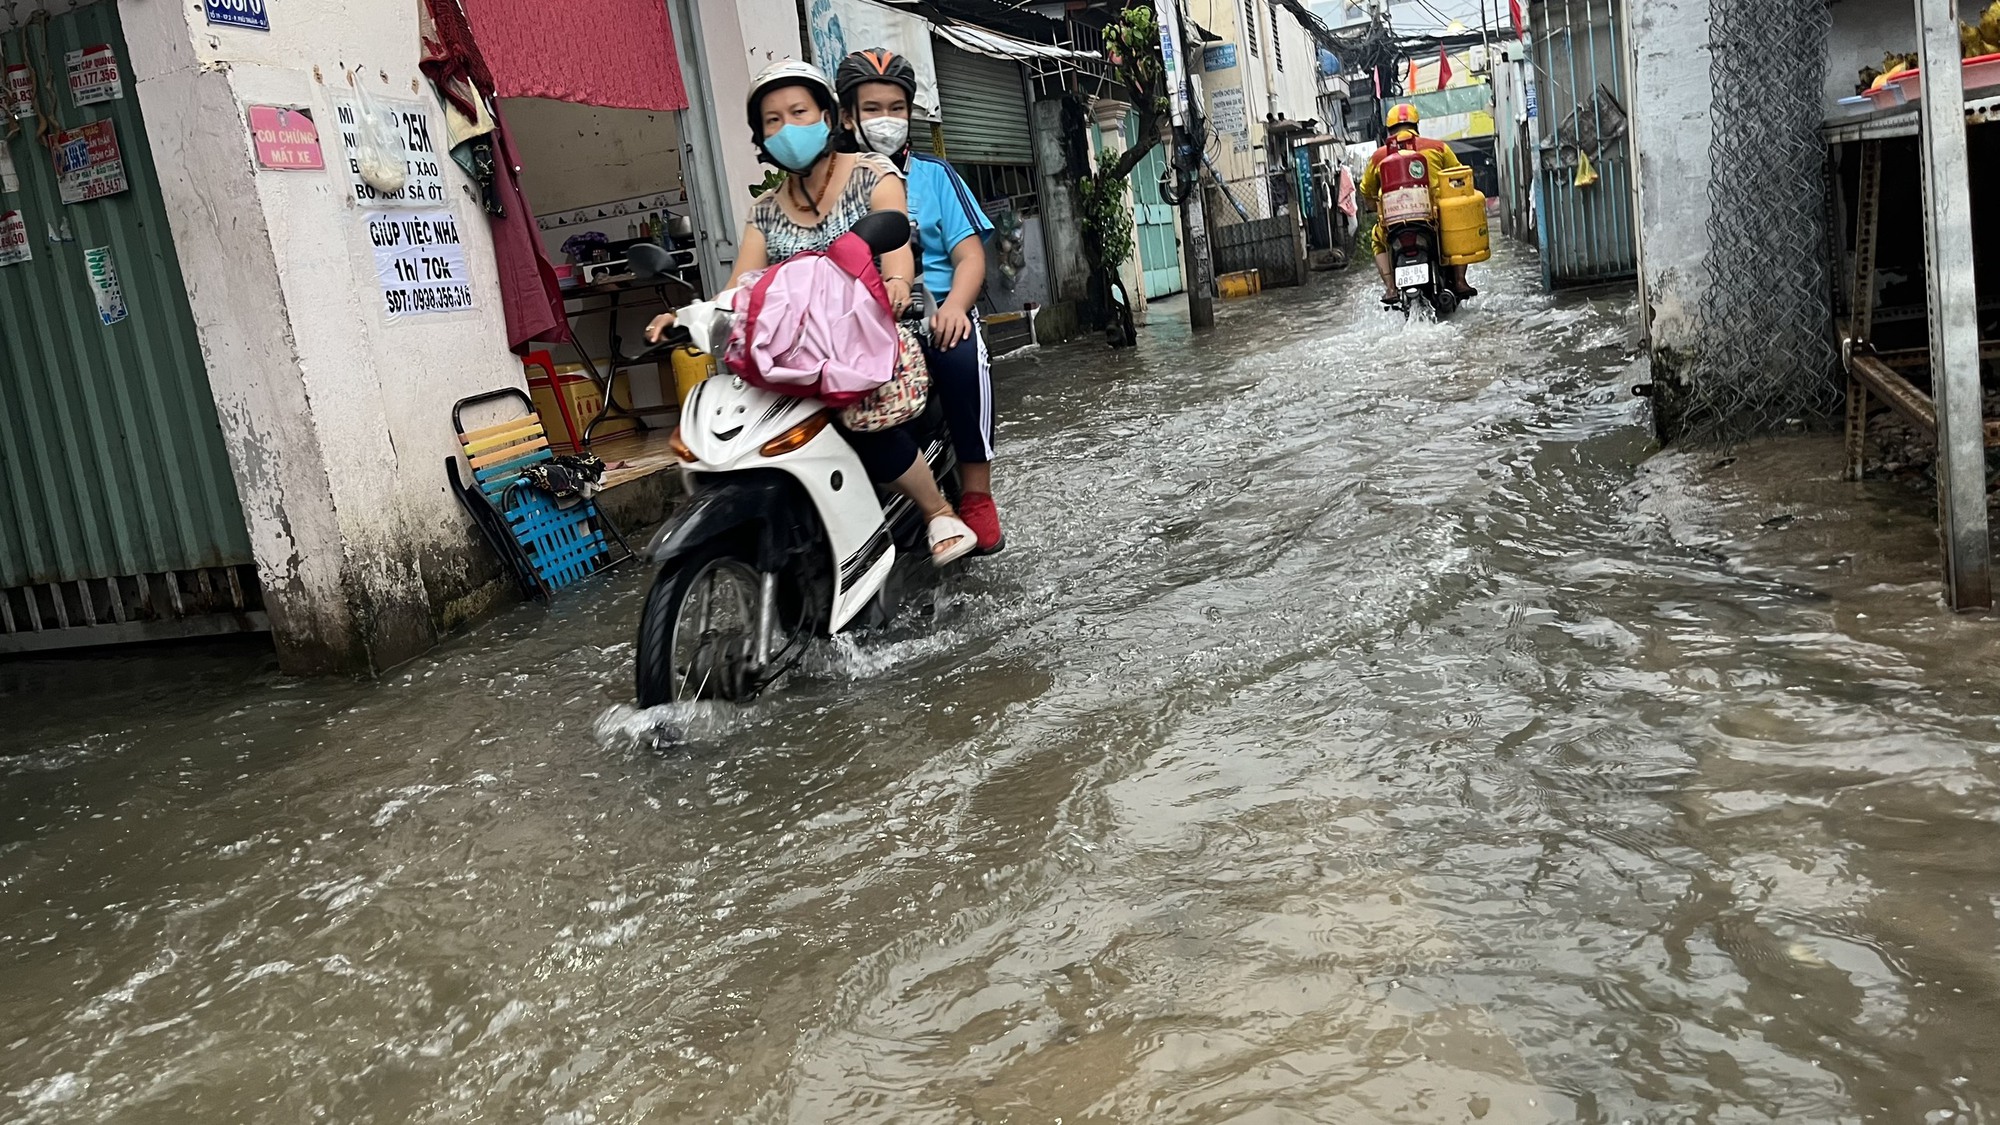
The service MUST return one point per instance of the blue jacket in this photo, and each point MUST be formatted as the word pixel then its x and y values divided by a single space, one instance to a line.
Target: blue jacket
pixel 945 215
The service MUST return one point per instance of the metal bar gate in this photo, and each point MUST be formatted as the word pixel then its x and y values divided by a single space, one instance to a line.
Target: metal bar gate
pixel 1583 163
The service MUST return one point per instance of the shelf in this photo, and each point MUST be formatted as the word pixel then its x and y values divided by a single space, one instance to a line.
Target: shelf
pixel 1903 121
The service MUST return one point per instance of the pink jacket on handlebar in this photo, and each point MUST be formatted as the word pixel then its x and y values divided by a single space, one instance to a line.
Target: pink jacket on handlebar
pixel 816 326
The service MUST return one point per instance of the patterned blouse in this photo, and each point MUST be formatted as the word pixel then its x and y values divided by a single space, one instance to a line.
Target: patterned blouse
pixel 784 237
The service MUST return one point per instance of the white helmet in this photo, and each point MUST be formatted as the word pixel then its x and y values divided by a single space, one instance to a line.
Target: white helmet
pixel 788 72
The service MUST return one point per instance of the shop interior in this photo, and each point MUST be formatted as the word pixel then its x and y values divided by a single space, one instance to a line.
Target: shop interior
pixel 602 181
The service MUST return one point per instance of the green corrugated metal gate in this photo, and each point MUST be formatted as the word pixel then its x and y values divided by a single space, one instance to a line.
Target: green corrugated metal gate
pixel 118 516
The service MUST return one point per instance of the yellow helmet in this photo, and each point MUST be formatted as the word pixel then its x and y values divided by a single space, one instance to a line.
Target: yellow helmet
pixel 1403 116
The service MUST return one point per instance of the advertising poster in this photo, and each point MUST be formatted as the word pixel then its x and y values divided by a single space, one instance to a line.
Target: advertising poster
pixel 14 245
pixel 104 284
pixel 88 165
pixel 20 92
pixel 286 138
pixel 420 262
pixel 425 186
pixel 93 75
pixel 1218 56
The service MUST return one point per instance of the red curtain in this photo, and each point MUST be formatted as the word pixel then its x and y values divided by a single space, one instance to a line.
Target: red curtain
pixel 617 53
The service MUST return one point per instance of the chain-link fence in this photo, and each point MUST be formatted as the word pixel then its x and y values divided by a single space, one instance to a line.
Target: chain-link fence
pixel 1768 358
pixel 1251 230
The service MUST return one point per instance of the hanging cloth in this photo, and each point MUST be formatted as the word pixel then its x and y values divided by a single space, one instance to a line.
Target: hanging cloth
pixel 529 291
pixel 530 295
pixel 614 53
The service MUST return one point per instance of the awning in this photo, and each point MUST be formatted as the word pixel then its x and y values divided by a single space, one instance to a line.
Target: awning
pixel 992 44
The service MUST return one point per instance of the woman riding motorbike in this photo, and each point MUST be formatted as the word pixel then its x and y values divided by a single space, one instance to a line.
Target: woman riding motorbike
pixel 792 109
pixel 876 89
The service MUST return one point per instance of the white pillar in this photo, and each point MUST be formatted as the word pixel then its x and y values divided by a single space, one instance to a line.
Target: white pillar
pixel 1954 312
pixel 337 421
pixel 1109 114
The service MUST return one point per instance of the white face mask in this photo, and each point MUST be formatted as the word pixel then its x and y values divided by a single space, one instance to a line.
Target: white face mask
pixel 886 135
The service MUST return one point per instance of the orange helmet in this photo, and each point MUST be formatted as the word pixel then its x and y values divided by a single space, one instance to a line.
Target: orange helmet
pixel 1403 116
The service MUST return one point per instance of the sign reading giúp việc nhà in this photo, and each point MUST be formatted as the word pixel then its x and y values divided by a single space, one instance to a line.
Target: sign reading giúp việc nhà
pixel 419 262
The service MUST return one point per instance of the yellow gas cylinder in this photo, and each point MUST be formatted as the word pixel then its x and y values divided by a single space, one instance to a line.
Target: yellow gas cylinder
pixel 1461 219
pixel 690 368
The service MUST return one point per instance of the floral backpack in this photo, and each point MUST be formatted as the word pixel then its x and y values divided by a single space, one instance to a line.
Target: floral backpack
pixel 820 325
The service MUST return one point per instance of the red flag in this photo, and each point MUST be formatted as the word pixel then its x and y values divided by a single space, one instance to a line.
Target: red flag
pixel 1444 69
pixel 1520 21
pixel 1412 88
pixel 1377 75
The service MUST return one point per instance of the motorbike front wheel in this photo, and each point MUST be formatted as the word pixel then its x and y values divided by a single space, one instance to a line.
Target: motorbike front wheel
pixel 698 631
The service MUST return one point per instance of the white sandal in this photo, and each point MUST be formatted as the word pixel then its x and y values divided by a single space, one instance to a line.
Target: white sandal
pixel 945 529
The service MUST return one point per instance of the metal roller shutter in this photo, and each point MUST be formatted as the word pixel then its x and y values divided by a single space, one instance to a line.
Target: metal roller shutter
pixel 985 106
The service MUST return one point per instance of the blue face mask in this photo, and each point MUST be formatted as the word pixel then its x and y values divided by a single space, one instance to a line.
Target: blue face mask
pixel 797 147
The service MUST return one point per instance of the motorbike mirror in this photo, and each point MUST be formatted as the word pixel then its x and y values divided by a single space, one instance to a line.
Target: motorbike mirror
pixel 884 231
pixel 648 261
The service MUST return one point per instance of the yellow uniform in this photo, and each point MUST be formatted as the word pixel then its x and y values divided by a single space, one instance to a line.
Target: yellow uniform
pixel 1371 181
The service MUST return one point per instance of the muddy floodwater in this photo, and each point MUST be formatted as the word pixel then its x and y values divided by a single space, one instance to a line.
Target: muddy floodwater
pixel 1361 726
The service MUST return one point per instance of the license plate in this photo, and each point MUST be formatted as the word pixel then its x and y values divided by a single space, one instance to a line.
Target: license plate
pixel 1407 276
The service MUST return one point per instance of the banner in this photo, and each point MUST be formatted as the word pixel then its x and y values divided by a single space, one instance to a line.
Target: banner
pixel 842 27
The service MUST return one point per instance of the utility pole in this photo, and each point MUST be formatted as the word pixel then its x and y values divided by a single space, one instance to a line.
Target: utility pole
pixel 1954 312
pixel 1194 204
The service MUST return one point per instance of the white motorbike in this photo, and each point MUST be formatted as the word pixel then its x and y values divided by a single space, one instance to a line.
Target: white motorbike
pixel 785 537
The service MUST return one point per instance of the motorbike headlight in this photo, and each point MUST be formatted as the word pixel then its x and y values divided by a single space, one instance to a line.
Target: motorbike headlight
pixel 796 436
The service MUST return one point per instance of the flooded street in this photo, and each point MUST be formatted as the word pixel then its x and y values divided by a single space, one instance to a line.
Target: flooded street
pixel 1354 730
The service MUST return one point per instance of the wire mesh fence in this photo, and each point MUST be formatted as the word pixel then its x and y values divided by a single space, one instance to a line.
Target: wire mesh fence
pixel 1769 359
pixel 1231 202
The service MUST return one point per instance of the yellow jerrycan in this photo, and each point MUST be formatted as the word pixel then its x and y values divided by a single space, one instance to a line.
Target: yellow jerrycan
pixel 1461 219
pixel 690 368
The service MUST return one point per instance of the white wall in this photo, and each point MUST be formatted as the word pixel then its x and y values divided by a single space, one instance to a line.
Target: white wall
pixel 743 37
pixel 575 155
pixel 337 422
pixel 1671 129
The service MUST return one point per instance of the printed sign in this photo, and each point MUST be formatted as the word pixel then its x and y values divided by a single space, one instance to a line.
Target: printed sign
pixel 238 13
pixel 425 186
pixel 1226 113
pixel 20 92
pixel 88 165
pixel 420 262
pixel 1220 56
pixel 104 284
pixel 286 138
pixel 14 245
pixel 93 75
pixel 10 178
